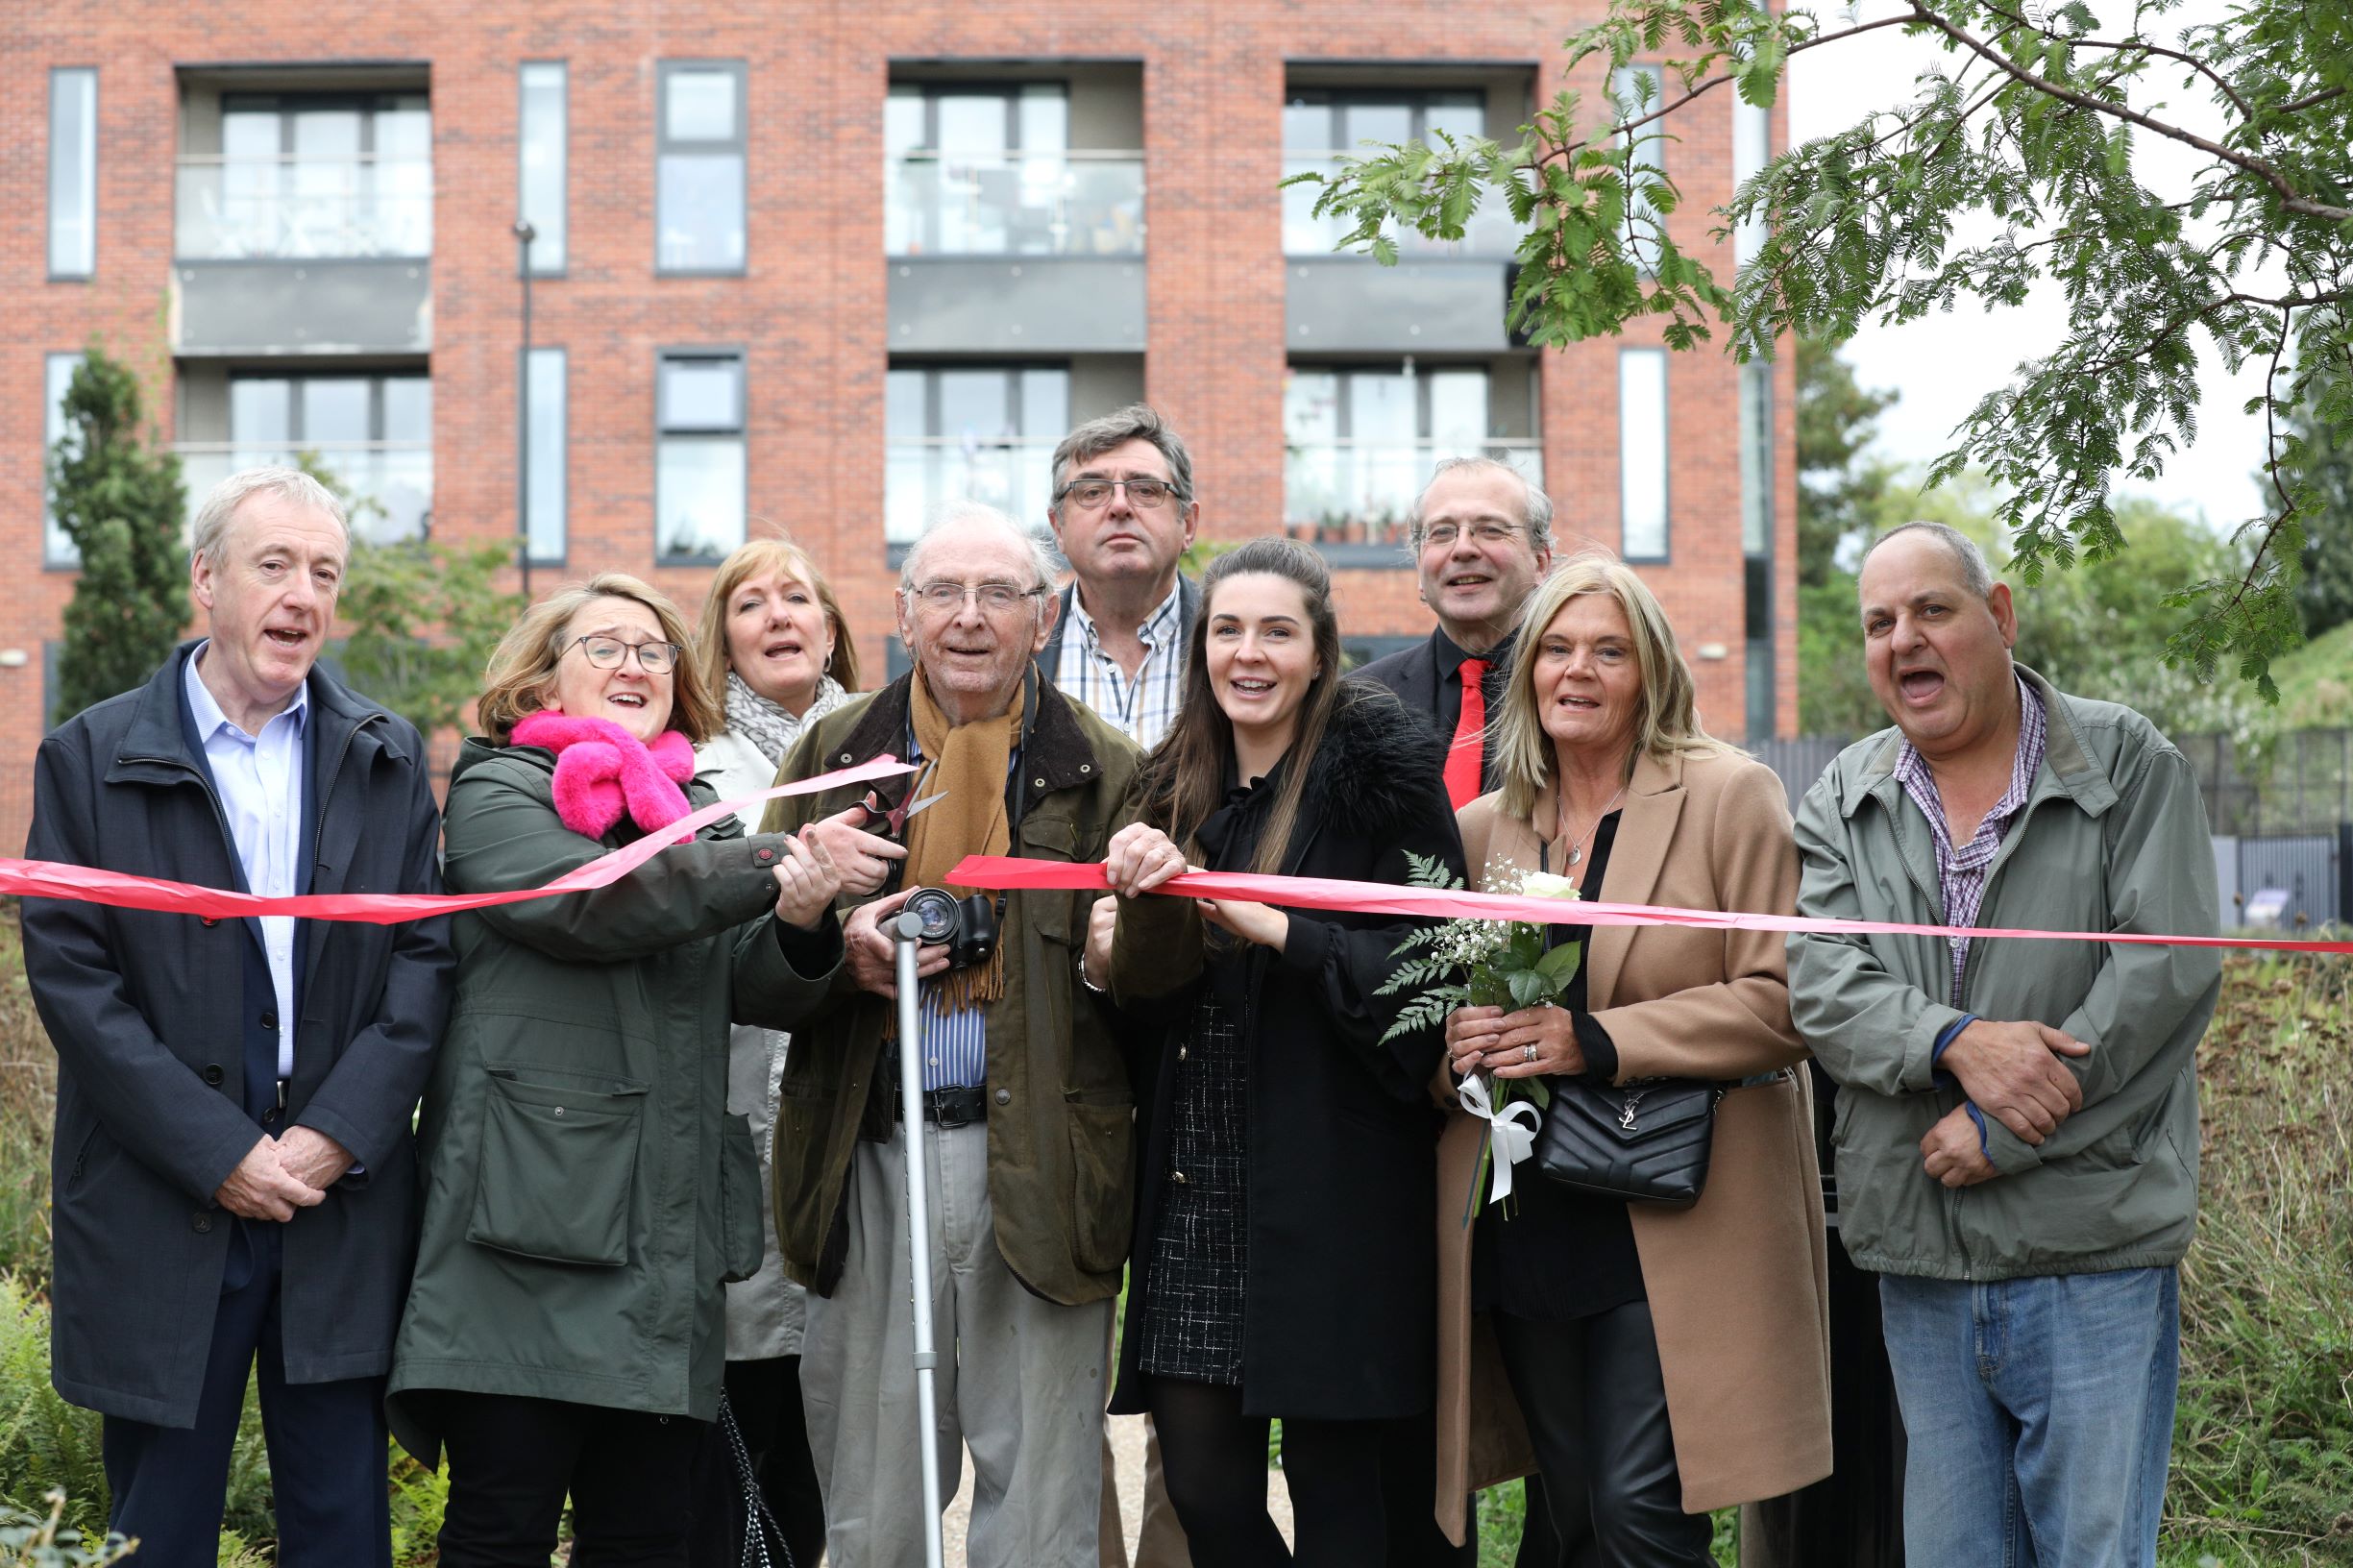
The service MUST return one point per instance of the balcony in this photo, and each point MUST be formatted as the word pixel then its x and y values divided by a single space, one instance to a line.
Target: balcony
pixel 391 483
pixel 1014 202
pixel 921 475
pixel 304 208
pixel 1490 235
pixel 1351 499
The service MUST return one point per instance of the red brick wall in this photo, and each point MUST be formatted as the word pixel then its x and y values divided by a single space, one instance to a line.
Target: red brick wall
pixel 811 309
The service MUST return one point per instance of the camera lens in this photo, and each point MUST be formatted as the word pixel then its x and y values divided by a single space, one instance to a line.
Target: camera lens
pixel 936 910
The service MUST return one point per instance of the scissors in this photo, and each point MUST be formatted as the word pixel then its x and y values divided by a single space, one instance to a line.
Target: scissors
pixel 894 818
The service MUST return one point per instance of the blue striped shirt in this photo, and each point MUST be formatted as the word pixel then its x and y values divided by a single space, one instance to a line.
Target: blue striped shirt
pixel 955 1044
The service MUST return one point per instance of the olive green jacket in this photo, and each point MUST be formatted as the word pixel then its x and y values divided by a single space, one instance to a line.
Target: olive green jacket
pixel 2111 838
pixel 586 1193
pixel 1061 1108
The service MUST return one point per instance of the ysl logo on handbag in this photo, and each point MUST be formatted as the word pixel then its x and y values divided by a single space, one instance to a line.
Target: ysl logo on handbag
pixel 1625 1117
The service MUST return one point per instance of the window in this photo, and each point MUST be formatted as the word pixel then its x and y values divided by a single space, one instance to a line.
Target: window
pixel 698 199
pixel 1642 453
pixel 981 169
pixel 1360 441
pixel 373 432
pixel 699 501
pixel 73 172
pixel 312 175
pixel 57 547
pixel 1321 124
pixel 544 440
pixel 986 432
pixel 1639 90
pixel 1752 151
pixel 541 141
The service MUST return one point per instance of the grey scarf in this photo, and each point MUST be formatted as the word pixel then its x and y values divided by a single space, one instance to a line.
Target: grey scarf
pixel 771 726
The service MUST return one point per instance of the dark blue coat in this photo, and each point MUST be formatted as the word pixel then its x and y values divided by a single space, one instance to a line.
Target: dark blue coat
pixel 151 1016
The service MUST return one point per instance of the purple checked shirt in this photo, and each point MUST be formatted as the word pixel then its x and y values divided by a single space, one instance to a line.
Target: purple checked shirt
pixel 1960 872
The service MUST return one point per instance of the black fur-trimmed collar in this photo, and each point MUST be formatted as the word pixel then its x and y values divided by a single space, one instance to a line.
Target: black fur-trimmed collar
pixel 1380 768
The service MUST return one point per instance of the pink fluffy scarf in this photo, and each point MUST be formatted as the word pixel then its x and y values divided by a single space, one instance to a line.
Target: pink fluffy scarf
pixel 601 770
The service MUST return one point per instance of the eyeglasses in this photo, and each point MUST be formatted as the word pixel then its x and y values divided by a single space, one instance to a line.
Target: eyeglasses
pixel 1444 534
pixel 653 658
pixel 944 598
pixel 1092 493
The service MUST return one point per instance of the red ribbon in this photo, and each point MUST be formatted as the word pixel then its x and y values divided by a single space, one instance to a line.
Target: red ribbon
pixel 997 872
pixel 95 884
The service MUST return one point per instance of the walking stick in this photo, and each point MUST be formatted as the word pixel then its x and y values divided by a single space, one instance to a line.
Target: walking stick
pixel 907 930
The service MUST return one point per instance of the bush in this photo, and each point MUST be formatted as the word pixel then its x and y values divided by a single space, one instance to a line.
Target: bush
pixel 28 1115
pixel 44 1540
pixel 46 1445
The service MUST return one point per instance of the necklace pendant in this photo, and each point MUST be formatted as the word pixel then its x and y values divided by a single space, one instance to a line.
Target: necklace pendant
pixel 1577 852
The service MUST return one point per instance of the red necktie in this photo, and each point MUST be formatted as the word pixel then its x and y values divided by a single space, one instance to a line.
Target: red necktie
pixel 1463 757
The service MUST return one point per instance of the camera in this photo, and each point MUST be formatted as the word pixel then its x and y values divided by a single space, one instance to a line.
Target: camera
pixel 966 926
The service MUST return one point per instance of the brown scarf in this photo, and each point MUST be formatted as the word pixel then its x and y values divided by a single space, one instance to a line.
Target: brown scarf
pixel 969 762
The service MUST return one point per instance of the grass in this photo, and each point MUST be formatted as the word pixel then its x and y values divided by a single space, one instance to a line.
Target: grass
pixel 2314 689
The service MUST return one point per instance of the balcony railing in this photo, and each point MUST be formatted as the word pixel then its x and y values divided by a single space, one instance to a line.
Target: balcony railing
pixel 304 208
pixel 1360 492
pixel 1014 202
pixel 391 483
pixel 1490 233
pixel 1012 474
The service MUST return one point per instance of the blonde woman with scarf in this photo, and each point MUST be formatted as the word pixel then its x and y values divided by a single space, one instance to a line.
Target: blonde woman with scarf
pixel 773 642
pixel 587 1192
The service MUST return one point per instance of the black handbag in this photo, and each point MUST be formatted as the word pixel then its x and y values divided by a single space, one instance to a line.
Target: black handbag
pixel 1648 1140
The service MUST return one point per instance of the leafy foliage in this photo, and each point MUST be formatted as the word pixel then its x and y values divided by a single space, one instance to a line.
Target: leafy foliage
pixel 46 1445
pixel 2031 126
pixel 45 1540
pixel 420 622
pixel 123 506
pixel 1840 481
pixel 2323 468
pixel 421 617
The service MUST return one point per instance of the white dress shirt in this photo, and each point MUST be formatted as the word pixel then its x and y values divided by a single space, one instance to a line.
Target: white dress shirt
pixel 259 780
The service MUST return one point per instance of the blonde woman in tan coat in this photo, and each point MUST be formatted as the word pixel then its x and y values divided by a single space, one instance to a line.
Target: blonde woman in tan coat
pixel 1653 1363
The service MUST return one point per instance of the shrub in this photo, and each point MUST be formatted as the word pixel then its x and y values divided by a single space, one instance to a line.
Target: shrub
pixel 45 1540
pixel 46 1445
pixel 28 1115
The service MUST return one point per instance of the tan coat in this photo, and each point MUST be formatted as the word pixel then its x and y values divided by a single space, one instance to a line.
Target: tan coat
pixel 1736 1282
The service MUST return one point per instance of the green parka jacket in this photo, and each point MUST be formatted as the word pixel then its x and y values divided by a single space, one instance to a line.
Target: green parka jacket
pixel 586 1193
pixel 2111 838
pixel 1061 1108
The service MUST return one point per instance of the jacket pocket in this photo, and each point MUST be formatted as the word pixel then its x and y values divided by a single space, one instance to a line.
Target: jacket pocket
pixel 741 1242
pixel 558 1169
pixel 1103 1182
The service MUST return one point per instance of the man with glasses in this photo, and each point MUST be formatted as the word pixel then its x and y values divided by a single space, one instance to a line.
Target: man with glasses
pixel 1123 512
pixel 1482 537
pixel 1027 1108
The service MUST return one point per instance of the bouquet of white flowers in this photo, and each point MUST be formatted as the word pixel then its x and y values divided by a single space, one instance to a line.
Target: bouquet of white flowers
pixel 1483 963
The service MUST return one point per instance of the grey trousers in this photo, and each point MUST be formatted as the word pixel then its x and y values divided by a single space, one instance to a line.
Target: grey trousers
pixel 1020 1379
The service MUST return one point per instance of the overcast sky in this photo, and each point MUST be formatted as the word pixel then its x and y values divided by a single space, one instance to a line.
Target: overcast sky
pixel 1943 364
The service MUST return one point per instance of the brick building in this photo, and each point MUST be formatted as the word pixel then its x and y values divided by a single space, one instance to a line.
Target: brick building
pixel 817 267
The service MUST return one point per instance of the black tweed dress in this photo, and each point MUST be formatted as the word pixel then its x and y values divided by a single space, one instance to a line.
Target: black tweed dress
pixel 1197 1283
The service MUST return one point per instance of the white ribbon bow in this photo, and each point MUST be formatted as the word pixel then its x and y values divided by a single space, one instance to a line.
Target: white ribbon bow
pixel 1510 1138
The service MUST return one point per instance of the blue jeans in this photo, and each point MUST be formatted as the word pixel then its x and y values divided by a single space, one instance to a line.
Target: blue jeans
pixel 2040 1416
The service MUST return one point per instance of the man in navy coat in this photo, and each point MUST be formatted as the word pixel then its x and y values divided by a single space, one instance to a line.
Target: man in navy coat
pixel 234 1176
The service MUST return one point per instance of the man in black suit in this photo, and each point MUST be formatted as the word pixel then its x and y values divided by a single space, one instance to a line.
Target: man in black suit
pixel 1482 537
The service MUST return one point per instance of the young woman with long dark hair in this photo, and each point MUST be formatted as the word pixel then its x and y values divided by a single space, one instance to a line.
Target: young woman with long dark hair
pixel 1285 1251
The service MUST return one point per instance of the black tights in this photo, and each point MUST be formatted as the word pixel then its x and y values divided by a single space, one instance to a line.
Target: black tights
pixel 1214 1460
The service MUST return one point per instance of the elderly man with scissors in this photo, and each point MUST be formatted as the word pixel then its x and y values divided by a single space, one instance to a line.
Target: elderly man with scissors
pixel 1027 1105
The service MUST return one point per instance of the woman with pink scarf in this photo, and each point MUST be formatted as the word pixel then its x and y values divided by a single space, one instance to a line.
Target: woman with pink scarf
pixel 587 1194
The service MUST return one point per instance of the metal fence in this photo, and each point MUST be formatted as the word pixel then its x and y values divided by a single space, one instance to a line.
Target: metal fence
pixel 2300 782
pixel 2282 816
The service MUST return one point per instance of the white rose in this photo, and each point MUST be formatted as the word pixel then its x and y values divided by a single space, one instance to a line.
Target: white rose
pixel 1547 885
